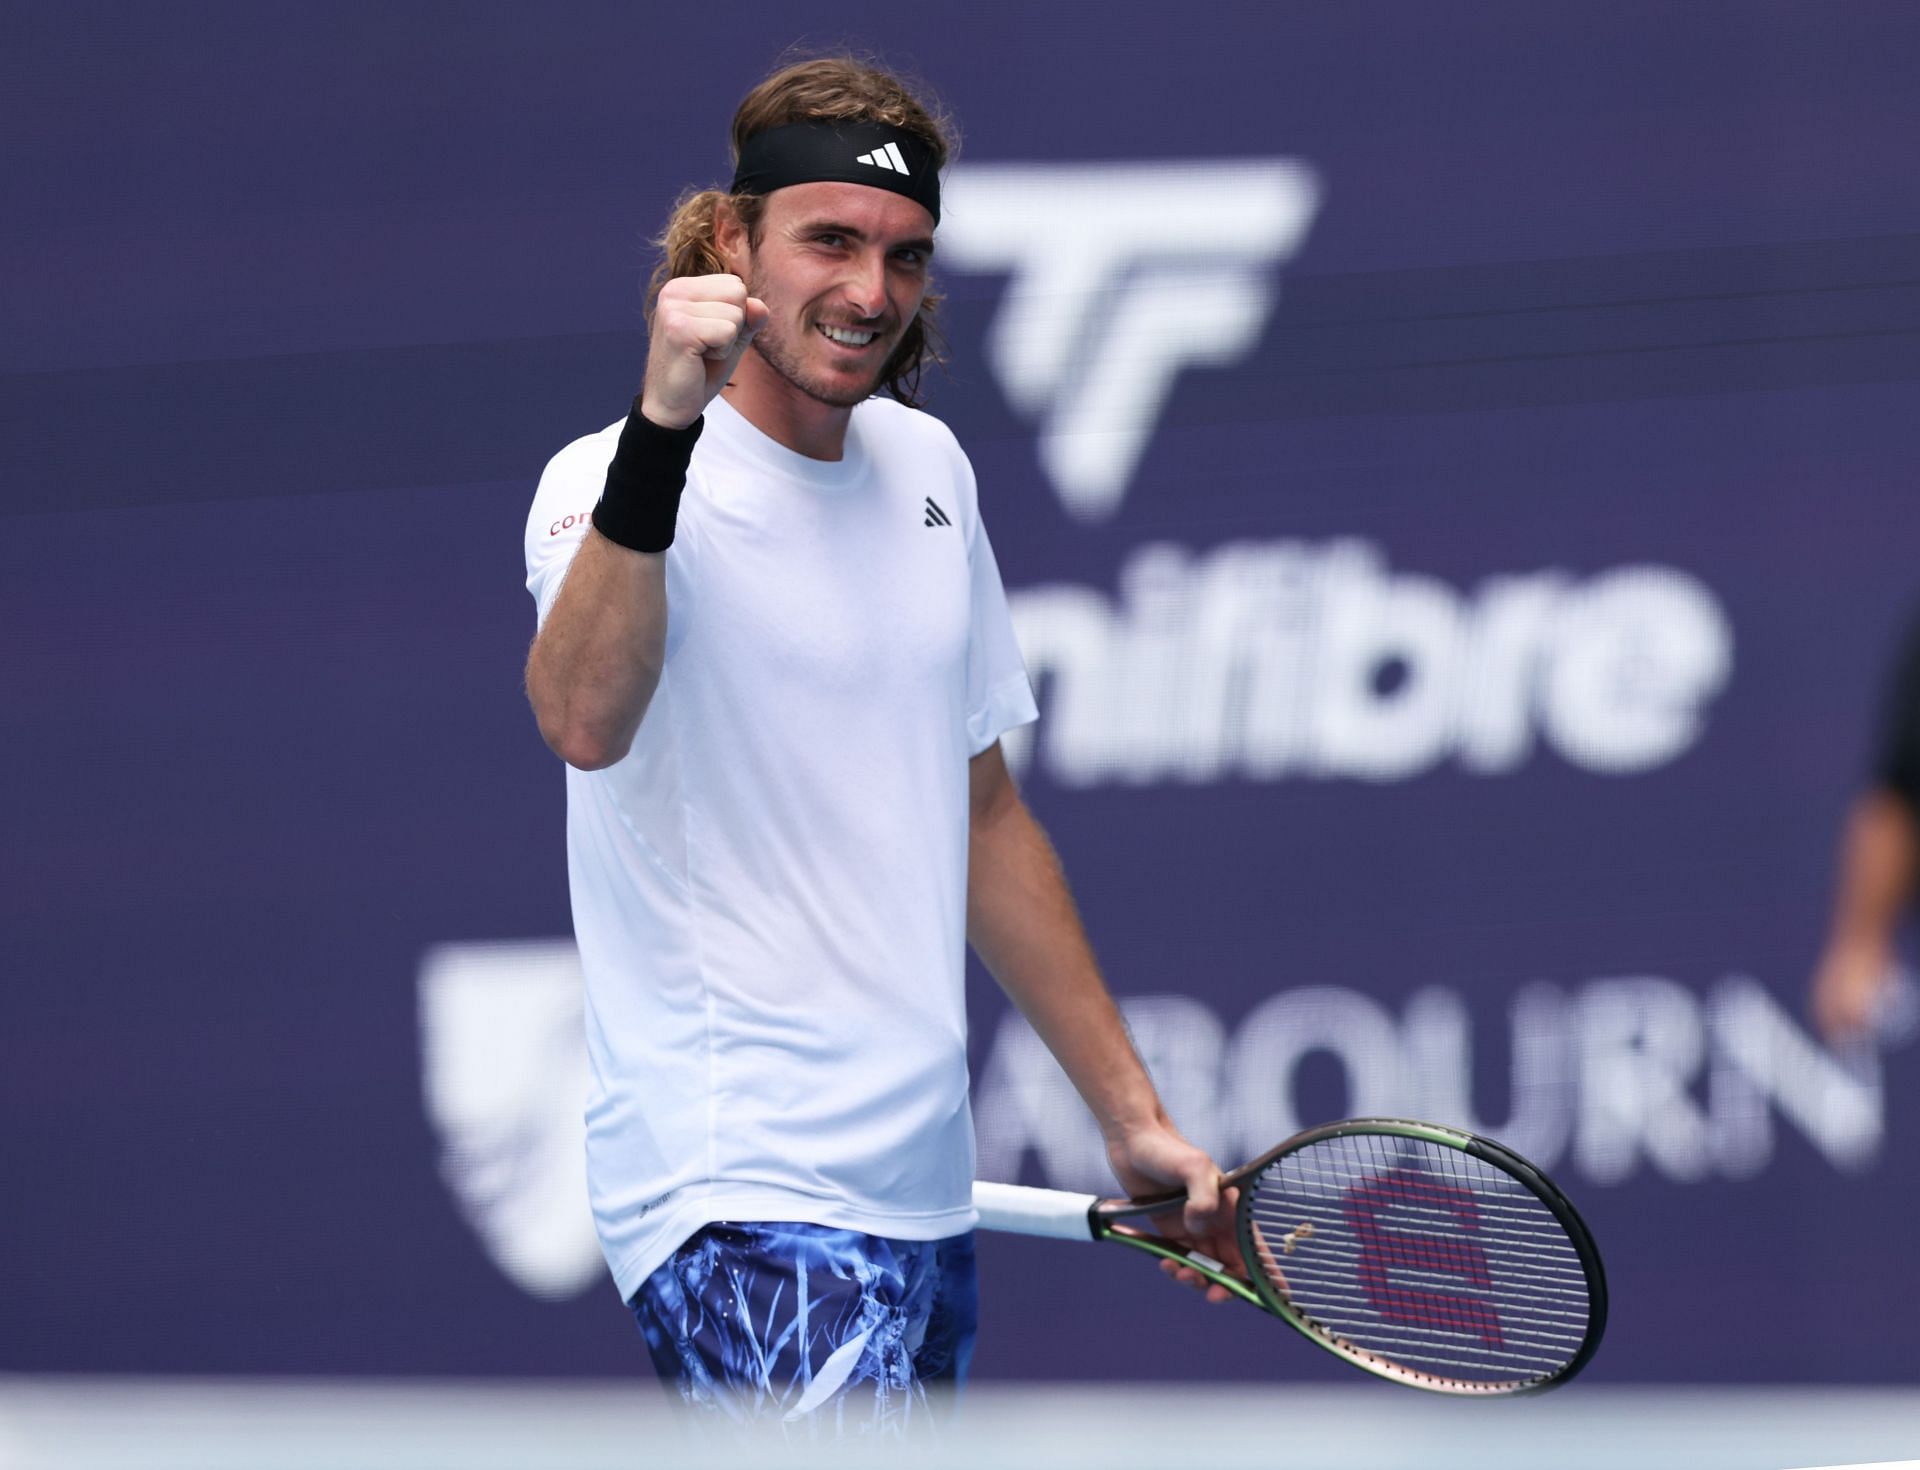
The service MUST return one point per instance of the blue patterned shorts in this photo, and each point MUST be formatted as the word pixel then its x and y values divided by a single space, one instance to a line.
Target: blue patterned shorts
pixel 799 1322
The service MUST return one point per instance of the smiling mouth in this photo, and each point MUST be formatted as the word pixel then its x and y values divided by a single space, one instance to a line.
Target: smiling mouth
pixel 846 336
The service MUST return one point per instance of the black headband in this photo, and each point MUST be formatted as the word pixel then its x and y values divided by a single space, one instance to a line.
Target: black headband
pixel 839 153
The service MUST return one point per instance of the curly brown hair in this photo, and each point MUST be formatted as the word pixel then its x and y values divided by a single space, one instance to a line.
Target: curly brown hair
pixel 836 88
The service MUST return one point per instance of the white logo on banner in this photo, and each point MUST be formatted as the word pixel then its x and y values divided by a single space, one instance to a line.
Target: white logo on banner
pixel 1613 1077
pixel 1124 275
pixel 1617 1076
pixel 1267 660
pixel 504 1072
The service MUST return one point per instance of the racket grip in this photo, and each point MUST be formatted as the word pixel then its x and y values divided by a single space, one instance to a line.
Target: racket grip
pixel 1021 1210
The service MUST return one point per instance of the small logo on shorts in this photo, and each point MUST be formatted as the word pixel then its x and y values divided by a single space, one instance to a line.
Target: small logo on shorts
pixel 935 515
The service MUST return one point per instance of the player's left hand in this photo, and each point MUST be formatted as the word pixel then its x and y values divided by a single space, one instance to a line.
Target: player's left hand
pixel 1154 1159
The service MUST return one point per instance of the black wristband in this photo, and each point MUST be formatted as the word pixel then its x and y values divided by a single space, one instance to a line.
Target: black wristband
pixel 642 495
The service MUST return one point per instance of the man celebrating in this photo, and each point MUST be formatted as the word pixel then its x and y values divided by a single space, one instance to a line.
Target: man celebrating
pixel 778 666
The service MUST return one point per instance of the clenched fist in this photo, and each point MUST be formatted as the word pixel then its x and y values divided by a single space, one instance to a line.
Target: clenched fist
pixel 701 326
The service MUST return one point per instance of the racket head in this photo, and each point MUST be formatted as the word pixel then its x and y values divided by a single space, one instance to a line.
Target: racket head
pixel 1425 1255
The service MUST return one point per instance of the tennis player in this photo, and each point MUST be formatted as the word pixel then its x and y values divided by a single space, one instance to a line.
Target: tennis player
pixel 775 654
pixel 1879 866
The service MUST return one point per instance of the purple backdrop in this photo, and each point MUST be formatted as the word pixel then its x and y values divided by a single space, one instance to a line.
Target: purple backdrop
pixel 1455 657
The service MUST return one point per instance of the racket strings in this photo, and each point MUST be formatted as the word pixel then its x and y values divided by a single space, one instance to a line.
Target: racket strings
pixel 1422 1254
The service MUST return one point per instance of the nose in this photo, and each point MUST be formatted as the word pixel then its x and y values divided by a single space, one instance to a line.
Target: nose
pixel 866 285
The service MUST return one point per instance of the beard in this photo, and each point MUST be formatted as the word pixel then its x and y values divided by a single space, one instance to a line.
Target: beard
pixel 788 362
pixel 787 358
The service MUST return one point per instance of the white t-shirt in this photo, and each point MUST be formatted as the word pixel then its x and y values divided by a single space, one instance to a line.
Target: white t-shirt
pixel 769 891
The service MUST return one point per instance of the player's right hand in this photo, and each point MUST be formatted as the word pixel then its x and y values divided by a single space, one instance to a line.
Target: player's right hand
pixel 701 326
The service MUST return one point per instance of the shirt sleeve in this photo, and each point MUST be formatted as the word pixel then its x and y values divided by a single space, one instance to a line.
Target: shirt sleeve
pixel 562 511
pixel 1898 765
pixel 999 696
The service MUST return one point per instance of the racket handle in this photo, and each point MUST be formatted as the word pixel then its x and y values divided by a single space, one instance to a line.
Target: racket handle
pixel 1021 1210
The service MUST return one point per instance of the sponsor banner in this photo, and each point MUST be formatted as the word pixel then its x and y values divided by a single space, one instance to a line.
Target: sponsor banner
pixel 1608 1083
pixel 1453 476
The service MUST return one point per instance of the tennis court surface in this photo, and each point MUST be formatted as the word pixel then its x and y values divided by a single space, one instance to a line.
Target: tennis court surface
pixel 157 1424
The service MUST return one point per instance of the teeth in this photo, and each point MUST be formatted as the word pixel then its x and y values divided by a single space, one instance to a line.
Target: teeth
pixel 850 338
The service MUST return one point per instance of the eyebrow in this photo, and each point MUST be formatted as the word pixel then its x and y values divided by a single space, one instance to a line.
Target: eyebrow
pixel 923 244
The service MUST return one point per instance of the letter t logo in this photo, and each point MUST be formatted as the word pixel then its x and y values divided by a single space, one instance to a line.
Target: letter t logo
pixel 1124 275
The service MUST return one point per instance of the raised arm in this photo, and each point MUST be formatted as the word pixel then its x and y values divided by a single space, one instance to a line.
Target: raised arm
pixel 1879 865
pixel 597 659
pixel 598 656
pixel 1022 922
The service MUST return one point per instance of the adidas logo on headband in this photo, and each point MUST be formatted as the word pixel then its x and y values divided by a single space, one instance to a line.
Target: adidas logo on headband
pixel 887 158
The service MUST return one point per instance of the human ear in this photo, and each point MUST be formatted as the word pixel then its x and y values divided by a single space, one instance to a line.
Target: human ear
pixel 730 239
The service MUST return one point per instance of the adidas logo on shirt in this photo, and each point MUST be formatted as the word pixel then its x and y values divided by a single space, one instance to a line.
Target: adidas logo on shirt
pixel 935 515
pixel 888 158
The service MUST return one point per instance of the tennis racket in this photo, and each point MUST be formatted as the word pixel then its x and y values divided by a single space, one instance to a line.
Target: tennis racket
pixel 1425 1255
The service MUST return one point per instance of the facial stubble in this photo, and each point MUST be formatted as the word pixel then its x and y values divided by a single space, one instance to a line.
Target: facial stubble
pixel 778 354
